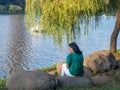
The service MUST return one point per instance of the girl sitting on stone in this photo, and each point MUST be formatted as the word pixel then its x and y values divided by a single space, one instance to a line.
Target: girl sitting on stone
pixel 74 62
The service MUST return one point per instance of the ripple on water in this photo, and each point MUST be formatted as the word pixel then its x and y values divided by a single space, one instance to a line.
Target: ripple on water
pixel 18 50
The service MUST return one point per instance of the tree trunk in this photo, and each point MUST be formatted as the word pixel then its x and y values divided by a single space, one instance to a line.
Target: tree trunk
pixel 113 40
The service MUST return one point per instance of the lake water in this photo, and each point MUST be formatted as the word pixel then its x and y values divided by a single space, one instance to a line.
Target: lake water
pixel 20 50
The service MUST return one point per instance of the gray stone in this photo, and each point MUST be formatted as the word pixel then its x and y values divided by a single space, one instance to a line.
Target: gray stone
pixel 31 80
pixel 102 80
pixel 87 72
pixel 65 81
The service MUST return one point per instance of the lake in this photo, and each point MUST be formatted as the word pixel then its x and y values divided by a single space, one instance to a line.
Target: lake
pixel 21 50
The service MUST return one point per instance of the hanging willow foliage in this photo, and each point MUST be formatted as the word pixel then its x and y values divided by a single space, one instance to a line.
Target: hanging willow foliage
pixel 59 17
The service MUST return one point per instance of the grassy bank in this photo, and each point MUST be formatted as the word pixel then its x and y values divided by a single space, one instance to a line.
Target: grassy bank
pixel 49 68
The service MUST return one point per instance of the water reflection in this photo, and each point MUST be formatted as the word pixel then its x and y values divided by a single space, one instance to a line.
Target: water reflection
pixel 18 42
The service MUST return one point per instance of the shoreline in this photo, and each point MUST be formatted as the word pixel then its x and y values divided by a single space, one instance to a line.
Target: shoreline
pixel 11 9
pixel 53 67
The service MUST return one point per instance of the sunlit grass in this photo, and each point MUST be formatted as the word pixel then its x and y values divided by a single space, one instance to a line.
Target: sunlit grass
pixel 49 68
pixel 118 51
pixel 117 54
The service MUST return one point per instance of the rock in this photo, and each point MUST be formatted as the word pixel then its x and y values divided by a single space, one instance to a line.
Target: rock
pixel 52 72
pixel 59 67
pixel 65 81
pixel 113 73
pixel 100 61
pixel 102 80
pixel 31 80
pixel 87 72
pixel 118 60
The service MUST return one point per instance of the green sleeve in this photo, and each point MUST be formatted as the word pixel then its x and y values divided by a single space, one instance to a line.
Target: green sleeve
pixel 68 60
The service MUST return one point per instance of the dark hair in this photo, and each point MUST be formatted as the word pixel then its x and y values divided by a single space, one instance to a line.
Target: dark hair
pixel 75 48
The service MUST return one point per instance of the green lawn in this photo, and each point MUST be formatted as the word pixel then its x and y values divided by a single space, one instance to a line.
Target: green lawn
pixel 92 88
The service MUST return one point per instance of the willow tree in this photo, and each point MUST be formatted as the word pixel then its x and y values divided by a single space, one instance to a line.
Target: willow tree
pixel 59 17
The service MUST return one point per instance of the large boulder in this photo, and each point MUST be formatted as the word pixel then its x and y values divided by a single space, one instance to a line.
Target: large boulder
pixel 100 61
pixel 31 80
pixel 65 81
pixel 87 72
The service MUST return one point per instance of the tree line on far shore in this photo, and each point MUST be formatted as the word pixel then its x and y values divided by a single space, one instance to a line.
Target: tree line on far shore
pixel 12 6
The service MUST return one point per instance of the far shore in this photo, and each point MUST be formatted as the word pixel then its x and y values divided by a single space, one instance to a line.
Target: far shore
pixel 11 9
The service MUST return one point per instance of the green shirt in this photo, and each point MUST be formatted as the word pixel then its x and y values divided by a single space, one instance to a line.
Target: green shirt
pixel 75 62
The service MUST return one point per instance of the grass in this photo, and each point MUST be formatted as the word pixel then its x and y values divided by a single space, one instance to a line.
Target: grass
pixel 3 84
pixel 118 51
pixel 49 68
pixel 117 54
pixel 116 75
pixel 92 88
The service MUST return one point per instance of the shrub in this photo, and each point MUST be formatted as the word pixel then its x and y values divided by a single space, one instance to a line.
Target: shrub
pixel 117 54
pixel 118 51
pixel 2 9
pixel 14 9
pixel 3 84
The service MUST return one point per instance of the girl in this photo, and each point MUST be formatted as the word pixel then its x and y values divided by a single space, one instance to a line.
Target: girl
pixel 74 62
